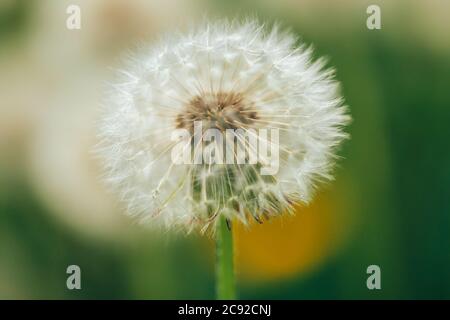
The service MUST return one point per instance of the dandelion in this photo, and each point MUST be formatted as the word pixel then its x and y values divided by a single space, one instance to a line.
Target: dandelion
pixel 239 76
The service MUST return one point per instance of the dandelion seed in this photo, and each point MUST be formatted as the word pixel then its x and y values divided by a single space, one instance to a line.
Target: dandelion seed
pixel 238 76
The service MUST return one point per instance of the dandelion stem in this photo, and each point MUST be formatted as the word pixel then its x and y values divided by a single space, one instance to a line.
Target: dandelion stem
pixel 224 264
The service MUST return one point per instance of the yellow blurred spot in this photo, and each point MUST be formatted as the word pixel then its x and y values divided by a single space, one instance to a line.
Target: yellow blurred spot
pixel 288 245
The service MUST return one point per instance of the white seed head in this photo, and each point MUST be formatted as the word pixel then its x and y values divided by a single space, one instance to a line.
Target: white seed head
pixel 226 76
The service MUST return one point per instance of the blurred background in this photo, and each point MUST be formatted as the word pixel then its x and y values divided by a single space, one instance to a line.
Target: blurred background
pixel 389 205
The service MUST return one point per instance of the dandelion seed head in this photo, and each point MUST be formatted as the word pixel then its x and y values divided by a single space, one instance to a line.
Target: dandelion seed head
pixel 226 75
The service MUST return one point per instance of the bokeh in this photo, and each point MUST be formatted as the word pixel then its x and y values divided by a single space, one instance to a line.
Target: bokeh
pixel 389 205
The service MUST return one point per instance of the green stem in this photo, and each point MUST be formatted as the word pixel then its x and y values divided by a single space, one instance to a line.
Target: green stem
pixel 224 265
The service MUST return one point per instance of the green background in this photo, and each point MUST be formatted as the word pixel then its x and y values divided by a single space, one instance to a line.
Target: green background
pixel 394 175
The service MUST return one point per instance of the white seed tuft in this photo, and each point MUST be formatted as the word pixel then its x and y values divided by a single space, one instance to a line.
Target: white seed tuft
pixel 226 75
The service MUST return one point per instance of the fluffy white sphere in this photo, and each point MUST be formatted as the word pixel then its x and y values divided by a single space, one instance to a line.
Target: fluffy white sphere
pixel 264 80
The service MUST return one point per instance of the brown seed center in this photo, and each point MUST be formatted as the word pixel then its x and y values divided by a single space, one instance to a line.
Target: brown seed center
pixel 222 110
